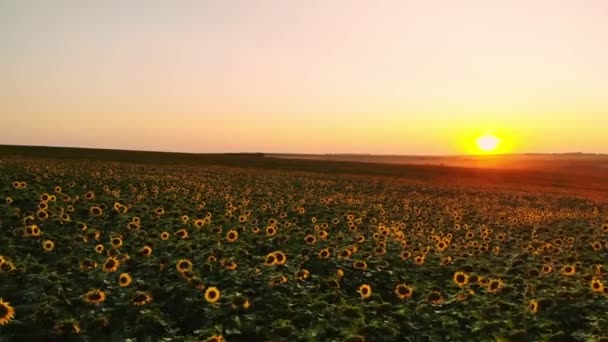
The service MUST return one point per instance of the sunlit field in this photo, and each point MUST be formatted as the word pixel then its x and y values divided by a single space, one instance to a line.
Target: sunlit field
pixel 94 251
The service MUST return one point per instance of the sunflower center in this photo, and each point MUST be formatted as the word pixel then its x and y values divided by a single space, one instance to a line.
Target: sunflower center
pixel 212 294
pixel 460 278
pixel 95 296
pixel 3 310
pixel 140 298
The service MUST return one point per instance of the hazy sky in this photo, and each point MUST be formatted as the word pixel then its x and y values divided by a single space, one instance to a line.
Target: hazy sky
pixel 389 77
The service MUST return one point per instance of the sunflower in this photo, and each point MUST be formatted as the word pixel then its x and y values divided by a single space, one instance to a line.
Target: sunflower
pixel 403 291
pixel 141 298
pixel 435 298
pixel 360 265
pixel 146 251
pixel 365 291
pixel 124 279
pixel 215 338
pixel 271 231
pixel 117 242
pixel 184 265
pixel 324 253
pixel 597 246
pixel 345 254
pixel 133 226
pixel 9 200
pixel 42 214
pixel 419 259
pixel 7 312
pixel 212 294
pixel 182 234
pixel 597 286
pixel 48 245
pixel 568 270
pixel 270 260
pixel 111 265
pixel 461 279
pixel 547 269
pixel 231 265
pixel 87 264
pixel 89 195
pixel 232 235
pixel 533 306
pixel 94 297
pixel 99 249
pixel 165 235
pixel 494 285
pixel 280 258
pixel 605 227
pixel 302 274
pixel 310 240
pixel 95 211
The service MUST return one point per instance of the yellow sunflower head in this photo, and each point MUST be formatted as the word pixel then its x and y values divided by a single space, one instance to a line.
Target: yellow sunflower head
pixel 48 246
pixel 212 294
pixel 124 279
pixel 365 291
pixel 7 312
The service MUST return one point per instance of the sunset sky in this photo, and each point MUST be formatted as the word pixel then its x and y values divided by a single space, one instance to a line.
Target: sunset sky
pixel 384 77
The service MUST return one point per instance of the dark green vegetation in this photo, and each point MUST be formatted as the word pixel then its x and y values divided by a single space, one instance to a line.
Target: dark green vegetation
pixel 266 252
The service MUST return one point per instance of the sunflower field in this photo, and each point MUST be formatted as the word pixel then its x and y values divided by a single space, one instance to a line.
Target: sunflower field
pixel 101 251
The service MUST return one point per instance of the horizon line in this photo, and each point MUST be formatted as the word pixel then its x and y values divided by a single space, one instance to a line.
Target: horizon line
pixel 314 154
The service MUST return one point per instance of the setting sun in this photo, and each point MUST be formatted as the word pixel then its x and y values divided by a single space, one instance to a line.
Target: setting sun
pixel 488 143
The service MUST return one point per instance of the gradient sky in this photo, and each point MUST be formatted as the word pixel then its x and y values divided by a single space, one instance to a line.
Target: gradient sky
pixel 385 77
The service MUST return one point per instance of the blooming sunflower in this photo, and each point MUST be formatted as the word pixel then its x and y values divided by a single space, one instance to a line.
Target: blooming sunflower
pixel 403 291
pixel 435 298
pixel 7 312
pixel 212 294
pixel 365 291
pixel 597 286
pixel 568 270
pixel 117 242
pixel 232 235
pixel 124 280
pixel 95 211
pixel 533 306
pixel 184 265
pixel 280 258
pixel 182 234
pixel 165 235
pixel 324 253
pixel 99 249
pixel 360 265
pixel 111 265
pixel 42 214
pixel 310 240
pixel 141 298
pixel 461 279
pixel 48 246
pixel 146 251
pixel 302 274
pixel 270 260
pixel 94 297
pixel 215 338
pixel 271 231
pixel 494 285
